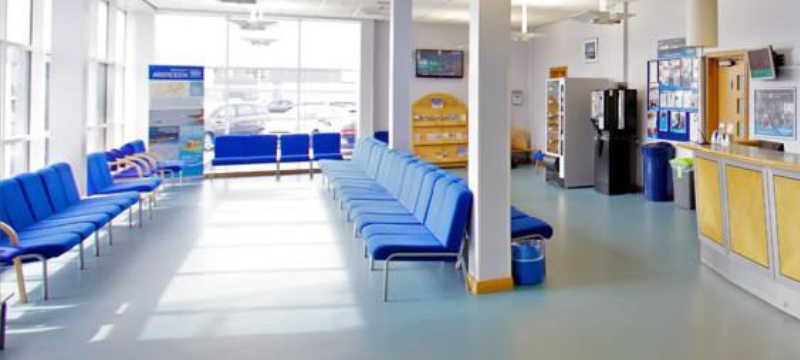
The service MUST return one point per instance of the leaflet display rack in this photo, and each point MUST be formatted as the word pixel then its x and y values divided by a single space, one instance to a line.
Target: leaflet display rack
pixel 439 130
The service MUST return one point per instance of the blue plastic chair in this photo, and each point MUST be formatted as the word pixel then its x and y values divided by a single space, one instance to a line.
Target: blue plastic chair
pixel 327 146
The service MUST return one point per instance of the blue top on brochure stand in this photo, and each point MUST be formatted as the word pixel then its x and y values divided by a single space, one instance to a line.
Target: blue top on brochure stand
pixel 173 73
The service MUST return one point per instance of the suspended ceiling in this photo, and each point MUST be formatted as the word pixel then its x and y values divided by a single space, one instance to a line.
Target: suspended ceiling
pixel 436 11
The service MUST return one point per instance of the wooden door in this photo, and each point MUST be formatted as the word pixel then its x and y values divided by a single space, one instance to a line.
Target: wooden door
pixel 727 95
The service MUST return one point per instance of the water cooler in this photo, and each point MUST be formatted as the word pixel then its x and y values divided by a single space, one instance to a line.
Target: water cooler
pixel 614 118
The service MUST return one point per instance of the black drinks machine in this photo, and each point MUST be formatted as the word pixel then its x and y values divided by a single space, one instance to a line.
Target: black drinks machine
pixel 614 118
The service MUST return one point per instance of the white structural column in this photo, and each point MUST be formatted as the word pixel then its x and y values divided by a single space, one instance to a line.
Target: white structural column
pixel 72 21
pixel 489 145
pixel 400 65
pixel 366 124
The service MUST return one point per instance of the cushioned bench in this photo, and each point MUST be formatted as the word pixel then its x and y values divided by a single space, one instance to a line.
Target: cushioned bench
pixel 137 149
pixel 295 149
pixel 232 150
pixel 101 182
pixel 327 146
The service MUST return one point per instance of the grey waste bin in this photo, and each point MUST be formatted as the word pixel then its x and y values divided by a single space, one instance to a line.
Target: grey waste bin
pixel 683 182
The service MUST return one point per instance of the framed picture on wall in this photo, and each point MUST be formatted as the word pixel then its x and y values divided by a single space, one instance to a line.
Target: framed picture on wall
pixel 775 113
pixel 591 50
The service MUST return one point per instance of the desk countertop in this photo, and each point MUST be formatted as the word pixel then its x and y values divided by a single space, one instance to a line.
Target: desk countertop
pixel 750 155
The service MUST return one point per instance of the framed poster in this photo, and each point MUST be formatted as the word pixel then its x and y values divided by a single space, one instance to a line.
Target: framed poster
pixel 775 113
pixel 590 50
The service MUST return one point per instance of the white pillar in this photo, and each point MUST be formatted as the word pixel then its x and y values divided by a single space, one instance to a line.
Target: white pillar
pixel 489 145
pixel 366 124
pixel 137 122
pixel 400 65
pixel 72 21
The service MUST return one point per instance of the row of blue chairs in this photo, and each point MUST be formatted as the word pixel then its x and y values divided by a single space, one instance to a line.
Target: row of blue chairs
pixel 404 208
pixel 232 150
pixel 133 161
pixel 43 216
pixel 392 197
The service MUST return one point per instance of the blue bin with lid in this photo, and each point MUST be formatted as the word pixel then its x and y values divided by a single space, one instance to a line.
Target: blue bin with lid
pixel 527 257
pixel 657 172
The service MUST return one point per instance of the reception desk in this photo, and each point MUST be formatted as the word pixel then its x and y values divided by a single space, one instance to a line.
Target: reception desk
pixel 748 219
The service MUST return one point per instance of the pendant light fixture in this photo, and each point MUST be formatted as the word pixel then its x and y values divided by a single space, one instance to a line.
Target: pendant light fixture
pixel 524 35
pixel 702 18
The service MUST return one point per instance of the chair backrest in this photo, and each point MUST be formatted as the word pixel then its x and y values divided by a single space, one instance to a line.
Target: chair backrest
pixel 363 157
pixel 55 188
pixel 228 146
pixel 395 185
pixel 36 195
pixel 382 136
pixel 128 149
pixel 98 173
pixel 294 144
pixel 261 145
pixel 68 182
pixel 447 221
pixel 15 209
pixel 412 184
pixel 423 201
pixel 328 143
pixel 139 146
pixel 378 157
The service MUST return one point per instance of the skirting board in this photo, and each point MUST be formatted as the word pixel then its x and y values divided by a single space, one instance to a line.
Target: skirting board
pixel 489 286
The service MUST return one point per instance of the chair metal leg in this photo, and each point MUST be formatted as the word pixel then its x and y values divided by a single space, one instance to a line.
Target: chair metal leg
pixel 141 217
pixel 23 294
pixel 386 278
pixel 3 311
pixel 81 256
pixel 45 281
pixel 130 217
pixel 97 243
pixel 110 234
pixel 278 165
pixel 311 169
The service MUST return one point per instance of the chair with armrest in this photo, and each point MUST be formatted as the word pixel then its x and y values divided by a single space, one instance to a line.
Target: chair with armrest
pixel 100 181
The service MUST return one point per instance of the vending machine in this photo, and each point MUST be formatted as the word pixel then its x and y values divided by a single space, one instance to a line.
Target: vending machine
pixel 614 119
pixel 569 152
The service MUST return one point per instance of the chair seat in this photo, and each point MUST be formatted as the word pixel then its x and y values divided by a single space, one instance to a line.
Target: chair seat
pixel 382 208
pixel 294 158
pixel 98 220
pixel 84 230
pixel 8 254
pixel 382 246
pixel 123 200
pixel 529 226
pixel 140 186
pixel 384 229
pixel 328 157
pixel 357 204
pixel 49 246
pixel 244 160
pixel 392 219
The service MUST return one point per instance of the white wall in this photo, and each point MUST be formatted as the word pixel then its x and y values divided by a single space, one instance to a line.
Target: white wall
pixel 451 37
pixel 742 24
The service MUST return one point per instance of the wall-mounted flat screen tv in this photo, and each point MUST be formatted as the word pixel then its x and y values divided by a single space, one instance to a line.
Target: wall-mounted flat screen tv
pixel 762 64
pixel 440 64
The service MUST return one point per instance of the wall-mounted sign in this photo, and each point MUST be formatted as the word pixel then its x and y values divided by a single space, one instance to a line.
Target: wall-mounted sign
pixel 675 48
pixel 516 97
pixel 775 113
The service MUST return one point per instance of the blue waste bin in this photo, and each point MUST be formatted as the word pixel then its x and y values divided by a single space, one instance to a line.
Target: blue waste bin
pixel 527 258
pixel 656 171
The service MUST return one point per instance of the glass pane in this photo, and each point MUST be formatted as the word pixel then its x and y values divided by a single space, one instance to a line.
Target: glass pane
pixel 48 26
pixel 102 91
pixel 47 69
pixel 102 30
pixel 15 158
pixel 190 40
pixel 119 36
pixel 330 74
pixel 16 92
pixel 19 21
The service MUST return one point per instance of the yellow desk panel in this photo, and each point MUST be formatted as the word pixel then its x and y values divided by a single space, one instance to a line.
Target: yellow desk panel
pixel 709 203
pixel 787 208
pixel 747 214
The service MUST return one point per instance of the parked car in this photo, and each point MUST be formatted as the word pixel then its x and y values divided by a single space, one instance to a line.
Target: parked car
pixel 280 106
pixel 234 119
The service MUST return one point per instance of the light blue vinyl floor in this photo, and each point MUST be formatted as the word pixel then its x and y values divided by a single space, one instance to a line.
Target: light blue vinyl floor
pixel 259 269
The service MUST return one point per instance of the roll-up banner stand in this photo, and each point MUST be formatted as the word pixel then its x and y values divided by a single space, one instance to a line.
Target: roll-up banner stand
pixel 177 115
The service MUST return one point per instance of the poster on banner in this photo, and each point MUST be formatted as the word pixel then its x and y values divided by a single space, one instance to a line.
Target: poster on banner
pixel 177 115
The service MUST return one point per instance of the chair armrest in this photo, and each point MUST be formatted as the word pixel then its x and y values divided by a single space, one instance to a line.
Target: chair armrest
pixel 150 162
pixel 134 164
pixel 10 232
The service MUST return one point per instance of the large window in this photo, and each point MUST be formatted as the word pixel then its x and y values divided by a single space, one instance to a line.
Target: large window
pixel 107 85
pixel 15 85
pixel 291 75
